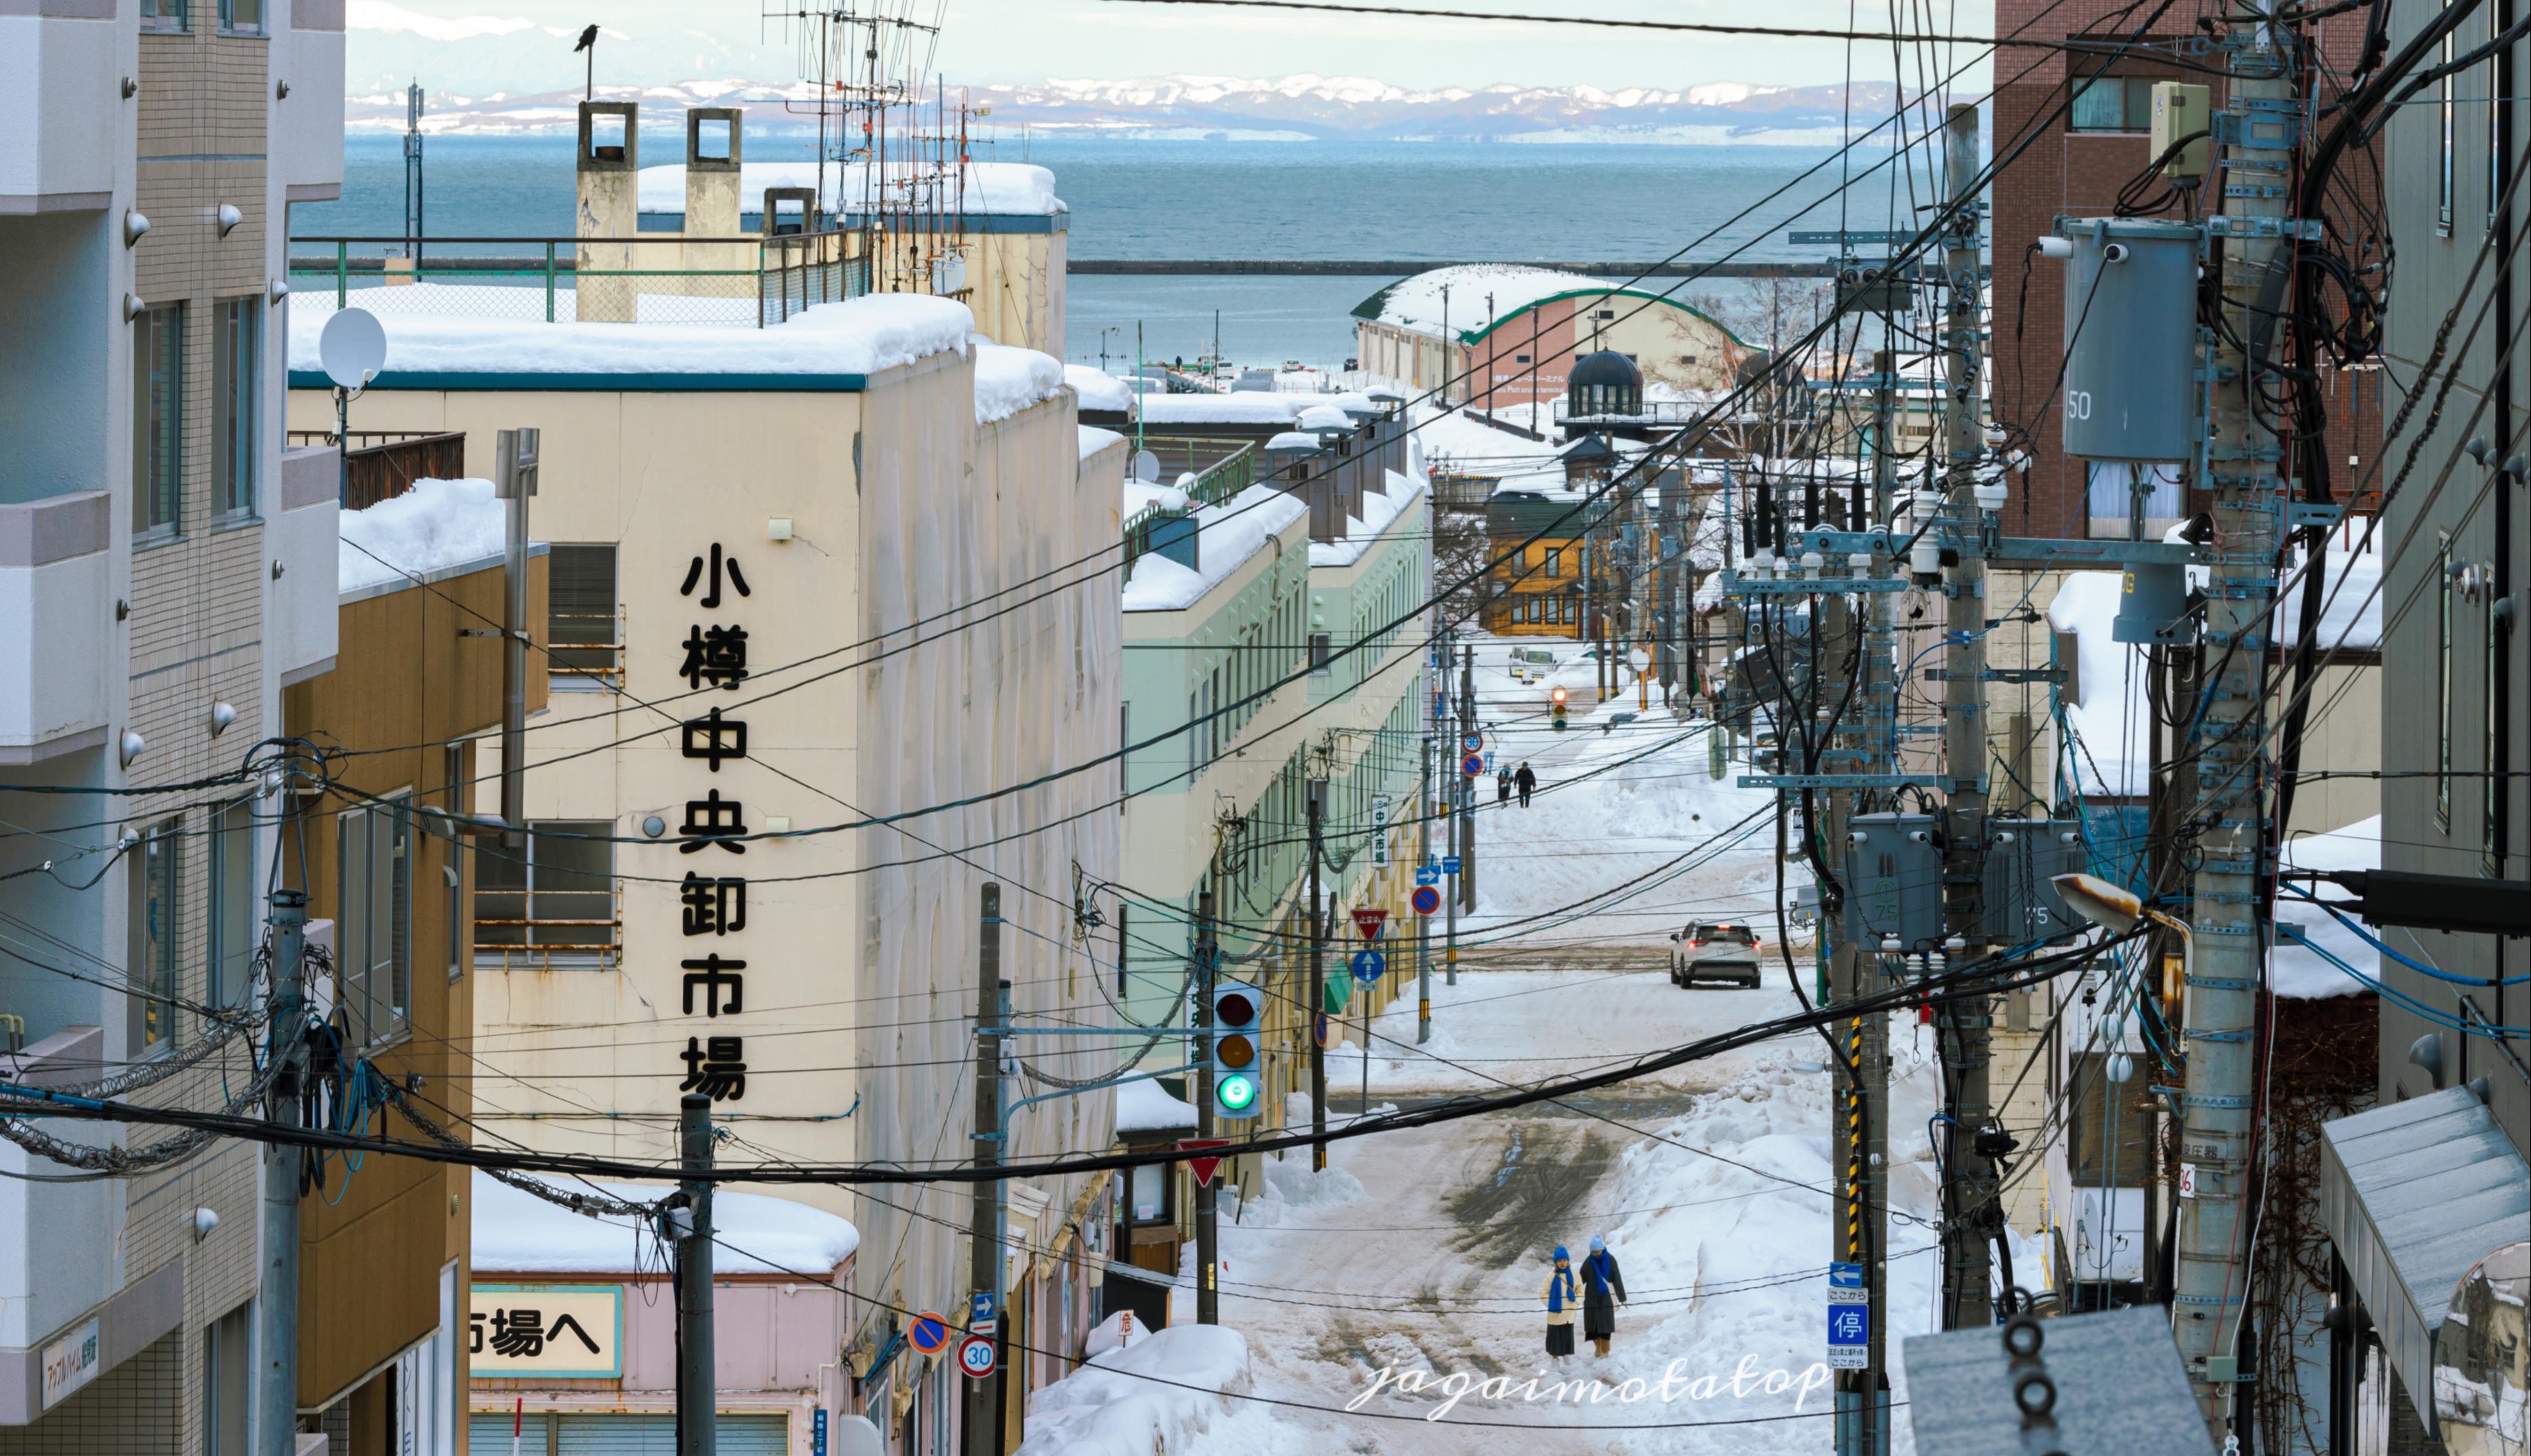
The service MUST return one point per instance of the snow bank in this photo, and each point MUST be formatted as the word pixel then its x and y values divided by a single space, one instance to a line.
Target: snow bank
pixel 1229 533
pixel 1117 1331
pixel 1146 1107
pixel 1009 380
pixel 863 336
pixel 1255 406
pixel 1289 1186
pixel 432 527
pixel 519 1233
pixel 990 188
pixel 1098 389
pixel 1326 416
pixel 2300 972
pixel 1107 1407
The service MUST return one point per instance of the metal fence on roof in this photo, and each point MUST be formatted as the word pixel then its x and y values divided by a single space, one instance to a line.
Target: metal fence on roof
pixel 745 282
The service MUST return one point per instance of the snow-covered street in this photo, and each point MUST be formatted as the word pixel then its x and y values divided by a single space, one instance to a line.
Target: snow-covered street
pixel 1397 1293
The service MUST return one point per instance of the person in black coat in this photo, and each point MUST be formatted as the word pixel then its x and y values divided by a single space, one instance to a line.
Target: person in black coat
pixel 1603 1288
pixel 1525 781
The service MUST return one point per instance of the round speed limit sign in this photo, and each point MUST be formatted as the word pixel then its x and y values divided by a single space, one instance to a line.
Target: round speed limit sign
pixel 976 1356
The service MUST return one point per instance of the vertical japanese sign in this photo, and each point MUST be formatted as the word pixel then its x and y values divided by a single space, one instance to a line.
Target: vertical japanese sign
pixel 712 906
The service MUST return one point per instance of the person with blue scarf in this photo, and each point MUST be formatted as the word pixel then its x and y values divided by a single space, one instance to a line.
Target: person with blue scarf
pixel 1602 1290
pixel 1562 1295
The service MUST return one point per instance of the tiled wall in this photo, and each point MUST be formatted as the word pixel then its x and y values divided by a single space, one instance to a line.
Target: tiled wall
pixel 124 1411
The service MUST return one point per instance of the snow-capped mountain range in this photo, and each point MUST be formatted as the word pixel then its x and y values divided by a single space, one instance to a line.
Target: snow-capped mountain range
pixel 1224 108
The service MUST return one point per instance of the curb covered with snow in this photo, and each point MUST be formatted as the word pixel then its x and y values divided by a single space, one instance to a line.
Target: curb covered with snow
pixel 1106 1408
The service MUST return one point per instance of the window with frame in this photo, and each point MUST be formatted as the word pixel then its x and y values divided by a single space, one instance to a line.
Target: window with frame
pixel 373 855
pixel 1554 561
pixel 1322 653
pixel 583 643
pixel 552 903
pixel 2114 103
pixel 237 376
pixel 156 930
pixel 242 17
pixel 1151 1195
pixel 158 421
pixel 162 15
pixel 233 928
pixel 227 1373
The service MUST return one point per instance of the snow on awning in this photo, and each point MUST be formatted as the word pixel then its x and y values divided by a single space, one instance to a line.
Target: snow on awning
pixel 517 1232
pixel 2414 1194
pixel 1145 1106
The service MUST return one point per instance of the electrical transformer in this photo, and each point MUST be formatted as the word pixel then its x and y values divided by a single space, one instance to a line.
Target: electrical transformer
pixel 1893 883
pixel 2130 390
pixel 2023 856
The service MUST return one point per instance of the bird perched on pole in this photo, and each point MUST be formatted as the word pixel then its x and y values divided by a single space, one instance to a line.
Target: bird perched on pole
pixel 588 44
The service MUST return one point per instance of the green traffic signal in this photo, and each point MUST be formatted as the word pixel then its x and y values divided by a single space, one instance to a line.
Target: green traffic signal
pixel 1236 1094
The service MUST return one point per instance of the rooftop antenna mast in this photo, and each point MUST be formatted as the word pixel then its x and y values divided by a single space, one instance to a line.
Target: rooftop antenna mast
pixel 413 103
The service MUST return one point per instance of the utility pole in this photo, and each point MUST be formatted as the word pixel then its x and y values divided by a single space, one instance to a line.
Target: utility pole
pixel 2220 1003
pixel 697 1370
pixel 1318 998
pixel 1423 923
pixel 277 1299
pixel 984 1423
pixel 1972 1215
pixel 514 480
pixel 1467 785
pixel 1207 1206
pixel 1454 810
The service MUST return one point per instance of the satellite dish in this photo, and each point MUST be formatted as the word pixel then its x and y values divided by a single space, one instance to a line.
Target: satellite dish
pixel 353 348
pixel 855 1436
pixel 1147 468
pixel 2483 1359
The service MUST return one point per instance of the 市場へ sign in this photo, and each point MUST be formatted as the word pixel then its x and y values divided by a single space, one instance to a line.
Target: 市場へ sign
pixel 573 1331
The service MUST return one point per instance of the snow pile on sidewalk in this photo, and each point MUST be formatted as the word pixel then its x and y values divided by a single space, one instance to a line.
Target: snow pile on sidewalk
pixel 1152 1398
pixel 432 527
pixel 1290 1185
pixel 1009 380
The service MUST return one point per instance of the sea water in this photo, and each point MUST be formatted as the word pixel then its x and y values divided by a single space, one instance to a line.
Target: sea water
pixel 1239 200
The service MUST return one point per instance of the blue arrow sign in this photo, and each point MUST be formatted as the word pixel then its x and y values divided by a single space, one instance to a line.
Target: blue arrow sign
pixel 1845 1276
pixel 1426 874
pixel 982 1308
pixel 1368 966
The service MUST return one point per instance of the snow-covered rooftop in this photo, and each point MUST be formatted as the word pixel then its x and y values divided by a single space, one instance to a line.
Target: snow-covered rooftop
pixel 1009 380
pixel 1227 536
pixel 1098 389
pixel 435 526
pixel 1483 296
pixel 520 1233
pixel 1146 1107
pixel 2301 970
pixel 861 337
pixel 1381 509
pixel 1253 407
pixel 990 189
pixel 1094 439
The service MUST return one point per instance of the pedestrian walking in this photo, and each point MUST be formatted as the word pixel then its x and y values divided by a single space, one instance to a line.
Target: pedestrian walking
pixel 1561 1293
pixel 1503 786
pixel 1603 1288
pixel 1525 781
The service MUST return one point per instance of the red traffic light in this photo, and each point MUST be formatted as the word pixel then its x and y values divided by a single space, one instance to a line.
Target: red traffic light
pixel 1234 1009
pixel 1558 696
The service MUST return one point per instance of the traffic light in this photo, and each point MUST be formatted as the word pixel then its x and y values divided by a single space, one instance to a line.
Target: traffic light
pixel 1557 698
pixel 1236 1089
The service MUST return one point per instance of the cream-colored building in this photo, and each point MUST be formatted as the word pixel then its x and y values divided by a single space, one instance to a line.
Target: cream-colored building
pixel 777 558
pixel 1498 334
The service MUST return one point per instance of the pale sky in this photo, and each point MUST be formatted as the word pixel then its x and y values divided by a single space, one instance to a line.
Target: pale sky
pixel 476 46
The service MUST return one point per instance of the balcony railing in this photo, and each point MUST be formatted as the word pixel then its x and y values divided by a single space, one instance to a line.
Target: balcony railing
pixel 1649 412
pixel 746 282
pixel 551 942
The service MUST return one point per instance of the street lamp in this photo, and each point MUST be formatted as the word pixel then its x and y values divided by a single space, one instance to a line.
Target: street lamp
pixel 2117 911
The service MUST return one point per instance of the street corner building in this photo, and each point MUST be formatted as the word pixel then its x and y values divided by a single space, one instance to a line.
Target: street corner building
pixel 786 739
pixel 165 577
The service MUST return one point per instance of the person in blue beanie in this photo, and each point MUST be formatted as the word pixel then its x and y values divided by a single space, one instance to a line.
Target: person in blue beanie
pixel 1562 1296
pixel 1603 1288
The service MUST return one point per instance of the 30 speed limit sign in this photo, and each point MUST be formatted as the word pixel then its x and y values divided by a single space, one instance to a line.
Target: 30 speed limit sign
pixel 976 1356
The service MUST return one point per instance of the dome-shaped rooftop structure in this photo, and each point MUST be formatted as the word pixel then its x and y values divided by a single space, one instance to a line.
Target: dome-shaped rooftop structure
pixel 1605 384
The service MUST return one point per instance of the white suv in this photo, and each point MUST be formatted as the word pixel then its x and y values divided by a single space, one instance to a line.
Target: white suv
pixel 1711 950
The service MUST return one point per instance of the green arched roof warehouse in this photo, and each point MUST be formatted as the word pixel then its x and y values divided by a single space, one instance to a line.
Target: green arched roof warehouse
pixel 1506 291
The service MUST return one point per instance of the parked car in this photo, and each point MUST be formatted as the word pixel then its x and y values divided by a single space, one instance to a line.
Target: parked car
pixel 1714 950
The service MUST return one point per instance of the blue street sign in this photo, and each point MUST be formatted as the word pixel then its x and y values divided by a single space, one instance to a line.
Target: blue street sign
pixel 1368 966
pixel 1472 742
pixel 982 1307
pixel 817 1432
pixel 1449 863
pixel 1845 1276
pixel 1473 764
pixel 1427 875
pixel 1850 1325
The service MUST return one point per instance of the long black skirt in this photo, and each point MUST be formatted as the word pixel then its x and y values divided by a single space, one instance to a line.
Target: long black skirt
pixel 1559 1339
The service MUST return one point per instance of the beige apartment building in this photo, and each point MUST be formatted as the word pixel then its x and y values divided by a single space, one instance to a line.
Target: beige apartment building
pixel 163 576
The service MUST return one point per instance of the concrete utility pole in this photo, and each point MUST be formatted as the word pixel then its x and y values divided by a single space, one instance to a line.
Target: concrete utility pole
pixel 698 1378
pixel 1972 1213
pixel 1423 923
pixel 984 1423
pixel 1467 785
pixel 1454 807
pixel 514 480
pixel 2220 1005
pixel 1207 1205
pixel 1673 560
pixel 1317 1000
pixel 276 1308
